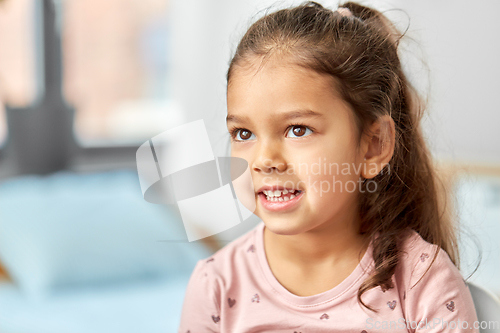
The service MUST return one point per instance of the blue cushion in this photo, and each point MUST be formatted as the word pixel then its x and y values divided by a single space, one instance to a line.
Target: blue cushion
pixel 67 229
pixel 152 307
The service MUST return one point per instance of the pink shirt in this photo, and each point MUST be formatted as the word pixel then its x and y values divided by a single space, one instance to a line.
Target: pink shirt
pixel 235 291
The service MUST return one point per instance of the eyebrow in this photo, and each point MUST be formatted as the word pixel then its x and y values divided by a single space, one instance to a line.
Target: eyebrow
pixel 283 116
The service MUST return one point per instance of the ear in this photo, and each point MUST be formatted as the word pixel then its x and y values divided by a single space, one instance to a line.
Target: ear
pixel 378 146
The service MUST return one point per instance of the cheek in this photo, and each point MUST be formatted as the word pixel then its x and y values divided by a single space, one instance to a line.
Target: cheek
pixel 322 164
pixel 237 151
pixel 331 180
pixel 325 189
pixel 243 155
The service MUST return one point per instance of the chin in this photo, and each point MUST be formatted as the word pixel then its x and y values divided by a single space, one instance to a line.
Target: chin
pixel 282 226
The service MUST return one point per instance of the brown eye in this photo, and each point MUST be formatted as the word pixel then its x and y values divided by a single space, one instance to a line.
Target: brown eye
pixel 298 131
pixel 245 134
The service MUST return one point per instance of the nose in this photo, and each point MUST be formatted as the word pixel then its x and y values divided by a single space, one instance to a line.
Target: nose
pixel 269 158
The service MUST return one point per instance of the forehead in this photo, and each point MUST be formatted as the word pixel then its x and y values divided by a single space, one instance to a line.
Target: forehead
pixel 277 86
pixel 277 72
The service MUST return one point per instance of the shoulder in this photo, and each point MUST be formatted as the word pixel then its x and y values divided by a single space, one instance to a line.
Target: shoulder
pixel 434 286
pixel 419 258
pixel 416 250
pixel 413 244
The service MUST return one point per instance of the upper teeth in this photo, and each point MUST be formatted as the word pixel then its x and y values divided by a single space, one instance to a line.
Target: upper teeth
pixel 276 193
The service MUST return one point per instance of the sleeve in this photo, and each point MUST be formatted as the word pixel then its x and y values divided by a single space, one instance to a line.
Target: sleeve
pixel 439 300
pixel 201 309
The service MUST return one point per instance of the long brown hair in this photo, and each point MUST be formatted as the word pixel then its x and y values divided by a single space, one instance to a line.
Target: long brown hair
pixel 360 53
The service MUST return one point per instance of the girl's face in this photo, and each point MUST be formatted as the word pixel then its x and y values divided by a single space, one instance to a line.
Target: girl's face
pixel 295 132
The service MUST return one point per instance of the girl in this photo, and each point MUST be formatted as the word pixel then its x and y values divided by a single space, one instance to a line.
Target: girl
pixel 352 237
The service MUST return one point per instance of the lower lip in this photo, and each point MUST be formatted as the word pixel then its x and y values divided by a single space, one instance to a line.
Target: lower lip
pixel 279 206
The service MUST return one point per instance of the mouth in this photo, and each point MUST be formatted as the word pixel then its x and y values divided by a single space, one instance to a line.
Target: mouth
pixel 280 201
pixel 280 195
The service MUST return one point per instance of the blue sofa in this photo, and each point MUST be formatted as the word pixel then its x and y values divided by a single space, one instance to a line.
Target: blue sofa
pixel 87 254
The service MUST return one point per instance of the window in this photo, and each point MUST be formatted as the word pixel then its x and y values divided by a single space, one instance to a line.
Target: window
pixel 116 69
pixel 18 83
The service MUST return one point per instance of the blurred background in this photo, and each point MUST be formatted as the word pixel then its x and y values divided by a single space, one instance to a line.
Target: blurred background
pixel 83 83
